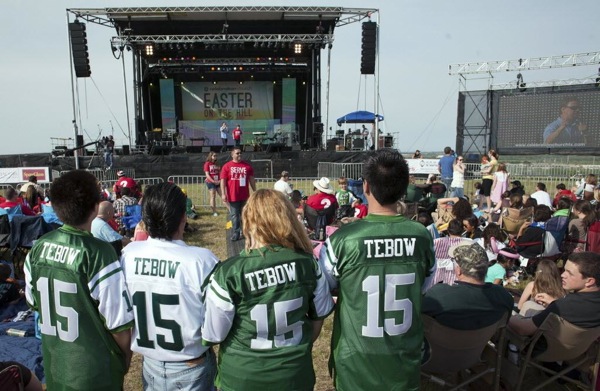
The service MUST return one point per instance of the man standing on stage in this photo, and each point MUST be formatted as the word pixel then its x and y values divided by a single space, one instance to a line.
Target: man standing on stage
pixel 237 135
pixel 109 149
pixel 223 129
pixel 236 175
pixel 379 265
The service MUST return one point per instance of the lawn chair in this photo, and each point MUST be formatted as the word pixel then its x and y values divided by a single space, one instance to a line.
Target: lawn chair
pixel 318 220
pixel 512 219
pixel 133 215
pixel 565 342
pixel 455 351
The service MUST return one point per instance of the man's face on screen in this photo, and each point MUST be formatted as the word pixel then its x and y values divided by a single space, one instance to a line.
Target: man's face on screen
pixel 571 111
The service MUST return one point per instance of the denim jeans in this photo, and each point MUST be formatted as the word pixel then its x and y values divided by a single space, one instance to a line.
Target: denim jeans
pixel 235 214
pixel 108 159
pixel 447 182
pixel 457 192
pixel 167 376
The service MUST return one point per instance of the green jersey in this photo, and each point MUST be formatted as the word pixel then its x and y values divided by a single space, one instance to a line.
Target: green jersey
pixel 259 306
pixel 344 197
pixel 379 265
pixel 76 283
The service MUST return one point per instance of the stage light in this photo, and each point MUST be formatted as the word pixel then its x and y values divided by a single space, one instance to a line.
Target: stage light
pixel 241 82
pixel 149 50
pixel 214 82
pixel 298 48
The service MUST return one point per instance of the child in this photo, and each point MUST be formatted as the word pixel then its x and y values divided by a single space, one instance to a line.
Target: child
pixel 343 195
pixel 190 212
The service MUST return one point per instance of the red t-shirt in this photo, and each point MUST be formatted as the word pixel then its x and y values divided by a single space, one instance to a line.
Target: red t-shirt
pixel 213 171
pixel 321 201
pixel 361 210
pixel 237 180
pixel 237 134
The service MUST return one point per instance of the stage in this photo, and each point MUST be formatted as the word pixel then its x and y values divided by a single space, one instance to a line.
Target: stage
pixel 266 164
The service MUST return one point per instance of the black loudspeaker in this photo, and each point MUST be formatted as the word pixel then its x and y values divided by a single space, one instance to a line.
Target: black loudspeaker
pixel 79 140
pixel 369 48
pixel 79 49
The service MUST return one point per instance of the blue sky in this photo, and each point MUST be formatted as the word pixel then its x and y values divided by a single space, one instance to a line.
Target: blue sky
pixel 418 40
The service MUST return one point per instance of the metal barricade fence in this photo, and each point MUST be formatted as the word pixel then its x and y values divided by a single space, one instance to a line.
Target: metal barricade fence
pixel 333 171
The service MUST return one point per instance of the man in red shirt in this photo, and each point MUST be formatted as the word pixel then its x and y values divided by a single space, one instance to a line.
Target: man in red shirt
pixel 324 197
pixel 123 181
pixel 237 135
pixel 236 176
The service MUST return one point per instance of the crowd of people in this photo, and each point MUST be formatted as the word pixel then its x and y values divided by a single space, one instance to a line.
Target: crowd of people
pixel 100 299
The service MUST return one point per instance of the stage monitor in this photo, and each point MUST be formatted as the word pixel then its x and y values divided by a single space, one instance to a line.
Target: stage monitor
pixel 555 120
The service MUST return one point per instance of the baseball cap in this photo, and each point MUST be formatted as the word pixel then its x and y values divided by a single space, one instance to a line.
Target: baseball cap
pixel 120 173
pixel 470 256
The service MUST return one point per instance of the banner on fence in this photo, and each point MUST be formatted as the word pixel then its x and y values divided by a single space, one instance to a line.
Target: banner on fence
pixel 423 166
pixel 22 174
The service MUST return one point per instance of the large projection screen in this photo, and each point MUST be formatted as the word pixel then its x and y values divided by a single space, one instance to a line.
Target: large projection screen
pixel 567 120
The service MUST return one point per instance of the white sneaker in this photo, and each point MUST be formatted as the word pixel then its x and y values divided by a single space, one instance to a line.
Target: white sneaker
pixel 215 214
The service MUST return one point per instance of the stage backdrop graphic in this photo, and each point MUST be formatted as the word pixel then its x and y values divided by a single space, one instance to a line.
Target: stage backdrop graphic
pixel 205 106
pixel 227 101
pixel 524 117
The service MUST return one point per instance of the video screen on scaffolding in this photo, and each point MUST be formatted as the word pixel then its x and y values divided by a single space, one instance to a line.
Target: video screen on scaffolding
pixel 553 120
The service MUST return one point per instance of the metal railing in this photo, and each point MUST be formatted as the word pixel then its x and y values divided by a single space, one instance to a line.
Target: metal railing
pixel 333 171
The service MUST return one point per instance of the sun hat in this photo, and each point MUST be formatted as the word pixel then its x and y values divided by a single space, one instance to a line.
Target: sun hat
pixel 323 185
pixel 24 187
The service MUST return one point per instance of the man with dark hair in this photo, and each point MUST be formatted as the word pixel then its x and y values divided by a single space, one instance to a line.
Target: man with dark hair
pixel 235 176
pixel 379 265
pixel 567 128
pixel 470 303
pixel 541 196
pixel 76 283
pixel 165 278
pixel 581 307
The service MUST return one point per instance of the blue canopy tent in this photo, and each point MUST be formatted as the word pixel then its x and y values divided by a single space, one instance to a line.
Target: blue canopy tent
pixel 359 117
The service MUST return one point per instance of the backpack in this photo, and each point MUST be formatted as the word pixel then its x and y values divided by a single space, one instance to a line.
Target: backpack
pixel 592 242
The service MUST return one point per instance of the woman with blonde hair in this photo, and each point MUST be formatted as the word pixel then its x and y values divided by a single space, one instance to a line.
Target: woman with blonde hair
pixel 266 305
pixel 211 170
pixel 547 281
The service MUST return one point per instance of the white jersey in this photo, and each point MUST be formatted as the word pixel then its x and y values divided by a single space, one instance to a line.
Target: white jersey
pixel 165 280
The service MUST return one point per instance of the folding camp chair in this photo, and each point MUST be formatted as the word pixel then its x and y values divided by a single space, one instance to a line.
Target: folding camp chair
pixel 455 351
pixel 565 342
pixel 318 220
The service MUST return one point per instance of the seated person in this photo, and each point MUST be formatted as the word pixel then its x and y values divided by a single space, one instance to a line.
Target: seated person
pixel 298 202
pixel 360 210
pixel 121 203
pixel 497 272
pixel 435 189
pixel 190 210
pixel 442 245
pixel 562 191
pixel 414 192
pixel 103 231
pixel 12 201
pixel 581 307
pixel 323 197
pixel 459 208
pixel 122 182
pixel 530 239
pixel 469 304
pixel 471 226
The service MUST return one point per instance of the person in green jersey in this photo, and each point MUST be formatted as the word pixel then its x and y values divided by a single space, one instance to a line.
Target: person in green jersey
pixel 265 306
pixel 76 283
pixel 379 265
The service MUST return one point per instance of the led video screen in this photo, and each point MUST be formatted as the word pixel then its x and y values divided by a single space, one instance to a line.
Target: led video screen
pixel 550 120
